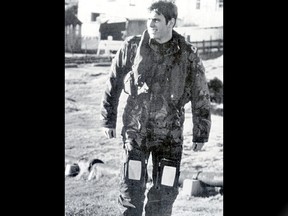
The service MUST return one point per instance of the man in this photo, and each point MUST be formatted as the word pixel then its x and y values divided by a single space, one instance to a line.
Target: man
pixel 161 73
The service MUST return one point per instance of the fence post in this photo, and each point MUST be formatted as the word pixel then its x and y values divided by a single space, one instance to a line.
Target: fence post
pixel 71 50
pixel 85 52
pixel 210 49
pixel 203 45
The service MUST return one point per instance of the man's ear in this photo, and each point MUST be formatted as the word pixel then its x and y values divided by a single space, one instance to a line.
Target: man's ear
pixel 171 22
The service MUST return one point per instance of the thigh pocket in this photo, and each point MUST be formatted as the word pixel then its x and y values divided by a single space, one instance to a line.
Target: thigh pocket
pixel 169 173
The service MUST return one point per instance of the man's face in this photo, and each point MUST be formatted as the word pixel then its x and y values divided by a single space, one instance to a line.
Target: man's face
pixel 157 28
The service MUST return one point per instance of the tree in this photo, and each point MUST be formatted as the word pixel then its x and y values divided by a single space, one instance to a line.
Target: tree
pixel 72 8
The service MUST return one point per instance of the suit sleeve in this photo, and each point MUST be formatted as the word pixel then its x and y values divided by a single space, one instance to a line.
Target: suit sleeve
pixel 113 87
pixel 200 100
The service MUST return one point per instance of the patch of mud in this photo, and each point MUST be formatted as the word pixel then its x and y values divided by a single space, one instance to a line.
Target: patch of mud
pixel 95 75
pixel 70 105
pixel 75 82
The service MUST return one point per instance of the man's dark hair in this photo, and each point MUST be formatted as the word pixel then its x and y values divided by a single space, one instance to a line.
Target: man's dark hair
pixel 167 9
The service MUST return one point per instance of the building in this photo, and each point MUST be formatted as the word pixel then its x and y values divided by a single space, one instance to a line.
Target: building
pixel 121 28
pixel 120 18
pixel 72 32
pixel 94 13
pixel 201 13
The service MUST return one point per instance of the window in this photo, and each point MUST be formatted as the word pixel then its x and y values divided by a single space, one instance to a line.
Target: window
pixel 94 16
pixel 77 30
pixel 219 4
pixel 197 4
pixel 132 3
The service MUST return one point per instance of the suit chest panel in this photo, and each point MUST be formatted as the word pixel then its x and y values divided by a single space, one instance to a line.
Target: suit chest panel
pixel 168 74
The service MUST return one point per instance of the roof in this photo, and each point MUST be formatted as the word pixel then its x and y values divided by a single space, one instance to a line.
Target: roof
pixel 71 19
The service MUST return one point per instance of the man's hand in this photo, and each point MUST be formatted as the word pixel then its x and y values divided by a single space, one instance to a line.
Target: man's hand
pixel 109 132
pixel 197 146
pixel 128 146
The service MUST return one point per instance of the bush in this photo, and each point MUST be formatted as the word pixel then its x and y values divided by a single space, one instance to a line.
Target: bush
pixel 216 90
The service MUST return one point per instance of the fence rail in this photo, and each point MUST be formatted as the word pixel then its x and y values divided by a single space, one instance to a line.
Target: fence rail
pixel 204 47
pixel 208 46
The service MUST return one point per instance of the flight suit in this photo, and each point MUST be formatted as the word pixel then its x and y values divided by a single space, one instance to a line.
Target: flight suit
pixel 160 79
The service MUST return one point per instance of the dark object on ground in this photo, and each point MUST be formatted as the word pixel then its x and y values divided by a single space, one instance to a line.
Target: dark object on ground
pixel 216 90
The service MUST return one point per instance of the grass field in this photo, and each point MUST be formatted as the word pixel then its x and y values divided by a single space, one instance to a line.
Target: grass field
pixel 83 136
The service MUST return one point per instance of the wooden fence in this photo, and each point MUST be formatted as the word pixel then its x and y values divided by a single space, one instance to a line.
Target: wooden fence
pixel 208 46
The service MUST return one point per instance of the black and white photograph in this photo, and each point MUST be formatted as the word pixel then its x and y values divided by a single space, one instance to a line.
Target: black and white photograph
pixel 144 107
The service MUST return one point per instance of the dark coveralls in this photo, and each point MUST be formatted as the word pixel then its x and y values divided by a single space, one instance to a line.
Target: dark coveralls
pixel 160 79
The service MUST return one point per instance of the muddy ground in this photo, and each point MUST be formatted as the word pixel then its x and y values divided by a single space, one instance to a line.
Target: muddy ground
pixel 83 136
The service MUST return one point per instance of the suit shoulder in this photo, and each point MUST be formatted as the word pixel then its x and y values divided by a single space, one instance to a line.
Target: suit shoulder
pixel 130 41
pixel 192 50
pixel 133 39
pixel 191 47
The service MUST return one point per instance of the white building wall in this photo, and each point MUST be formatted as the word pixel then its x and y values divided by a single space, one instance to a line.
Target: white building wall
pixel 85 8
pixel 207 16
pixel 111 8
